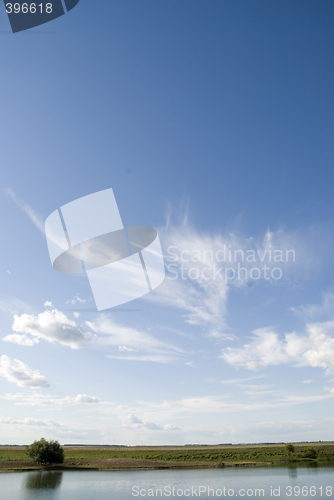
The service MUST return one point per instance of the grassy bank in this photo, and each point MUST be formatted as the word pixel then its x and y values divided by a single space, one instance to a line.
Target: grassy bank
pixel 113 457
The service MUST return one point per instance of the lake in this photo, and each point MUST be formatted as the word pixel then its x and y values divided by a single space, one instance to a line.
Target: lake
pixel 282 483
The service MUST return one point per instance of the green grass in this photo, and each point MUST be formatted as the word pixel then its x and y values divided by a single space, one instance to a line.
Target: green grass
pixel 274 454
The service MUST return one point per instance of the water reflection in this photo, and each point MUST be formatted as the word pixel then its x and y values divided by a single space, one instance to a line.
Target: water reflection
pixel 43 480
pixel 117 485
pixel 312 466
pixel 292 472
pixel 293 468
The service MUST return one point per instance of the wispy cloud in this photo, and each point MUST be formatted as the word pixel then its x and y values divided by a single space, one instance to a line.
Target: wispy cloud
pixel 203 301
pixel 235 381
pixel 256 390
pixel 29 421
pixel 192 406
pixel 202 268
pixel 324 310
pixel 37 399
pixel 131 340
pixel 153 358
pixel 280 430
pixel 33 216
pixel 13 305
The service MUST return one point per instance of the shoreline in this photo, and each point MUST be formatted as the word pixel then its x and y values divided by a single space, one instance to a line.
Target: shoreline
pixel 116 458
pixel 112 465
pixel 119 469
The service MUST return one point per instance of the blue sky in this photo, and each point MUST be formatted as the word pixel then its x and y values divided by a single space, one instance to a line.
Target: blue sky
pixel 213 123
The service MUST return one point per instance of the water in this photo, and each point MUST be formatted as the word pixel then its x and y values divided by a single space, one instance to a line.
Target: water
pixel 267 483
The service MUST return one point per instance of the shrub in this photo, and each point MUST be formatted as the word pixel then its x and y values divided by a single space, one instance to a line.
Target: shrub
pixel 46 452
pixel 310 452
pixel 289 448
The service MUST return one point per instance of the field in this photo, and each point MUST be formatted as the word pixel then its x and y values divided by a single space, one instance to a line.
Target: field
pixel 116 458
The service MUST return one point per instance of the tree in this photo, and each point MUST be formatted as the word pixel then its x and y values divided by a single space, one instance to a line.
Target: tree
pixel 46 452
pixel 310 452
pixel 289 448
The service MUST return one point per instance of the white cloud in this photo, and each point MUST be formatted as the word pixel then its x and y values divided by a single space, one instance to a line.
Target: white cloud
pixel 19 373
pixel 266 348
pixel 48 400
pixel 29 422
pixel 77 299
pixel 21 340
pixel 308 381
pixel 82 398
pixel 33 216
pixel 52 326
pixel 8 272
pixel 321 351
pixel 48 304
pixel 133 422
pixel 123 348
pixel 171 427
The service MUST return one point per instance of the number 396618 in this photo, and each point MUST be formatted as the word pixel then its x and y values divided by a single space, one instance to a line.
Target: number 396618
pixel 26 8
